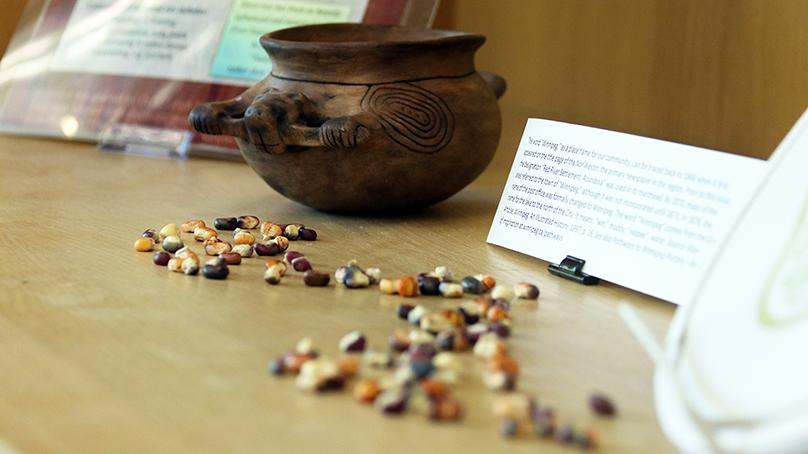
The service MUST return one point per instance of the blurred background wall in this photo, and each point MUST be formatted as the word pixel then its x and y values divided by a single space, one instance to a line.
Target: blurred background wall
pixel 725 74
pixel 10 11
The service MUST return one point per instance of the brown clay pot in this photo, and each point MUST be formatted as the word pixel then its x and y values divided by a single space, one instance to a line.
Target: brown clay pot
pixel 358 117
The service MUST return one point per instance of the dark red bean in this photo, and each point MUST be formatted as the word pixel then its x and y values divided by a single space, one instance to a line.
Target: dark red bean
pixel 353 342
pixel 149 233
pixel 291 255
pixel 161 258
pixel 301 264
pixel 392 402
pixel 403 310
pixel 267 249
pixel 225 223
pixel 602 405
pixel 314 279
pixel 307 234
pixel 231 258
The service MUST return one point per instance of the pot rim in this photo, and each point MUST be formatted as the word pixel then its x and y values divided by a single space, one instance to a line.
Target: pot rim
pixel 377 54
pixel 432 37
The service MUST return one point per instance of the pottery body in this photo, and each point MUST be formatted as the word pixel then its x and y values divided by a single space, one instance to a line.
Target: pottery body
pixel 362 117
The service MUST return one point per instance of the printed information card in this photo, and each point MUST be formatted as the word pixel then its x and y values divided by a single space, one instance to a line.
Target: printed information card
pixel 644 213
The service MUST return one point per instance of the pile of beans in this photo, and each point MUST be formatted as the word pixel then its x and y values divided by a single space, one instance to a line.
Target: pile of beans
pixel 245 230
pixel 420 363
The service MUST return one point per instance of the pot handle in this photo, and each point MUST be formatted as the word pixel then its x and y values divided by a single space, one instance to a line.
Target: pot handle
pixel 495 82
pixel 272 121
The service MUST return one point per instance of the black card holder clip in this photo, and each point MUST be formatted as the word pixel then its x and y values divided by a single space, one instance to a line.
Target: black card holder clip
pixel 572 268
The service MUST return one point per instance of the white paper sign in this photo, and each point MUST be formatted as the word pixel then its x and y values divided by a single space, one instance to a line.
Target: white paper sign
pixel 644 213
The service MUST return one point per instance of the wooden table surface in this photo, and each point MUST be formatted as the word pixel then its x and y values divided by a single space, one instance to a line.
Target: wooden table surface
pixel 101 351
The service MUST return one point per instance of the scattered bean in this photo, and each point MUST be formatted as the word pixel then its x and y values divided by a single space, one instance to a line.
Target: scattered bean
pixel 282 242
pixel 414 316
pixel 291 255
pixel 501 329
pixel 169 230
pixel 352 342
pixel 487 281
pixel 471 285
pixel 281 264
pixel 403 310
pixel 225 223
pixel 275 366
pixel 443 273
pixel 377 360
pixel 445 409
pixel 474 332
pixel 565 434
pixel 244 250
pixel 453 341
pixel 305 346
pixel 435 322
pixel 356 279
pixel 508 427
pixel 399 341
pixel 367 390
pixel 387 286
pixel 406 286
pixel 348 366
pixel 270 230
pixel 315 279
pixel 422 368
pixel 470 312
pixel 204 233
pixel 273 275
pixel 172 243
pixel 144 244
pixel 307 234
pixel 244 237
pixel 502 291
pixel 392 402
pixel 374 275
pixel 232 258
pixel 215 246
pixel 190 266
pixel 190 226
pixel 496 314
pixel 292 362
pixel 418 337
pixel 301 264
pixel 490 345
pixel 292 231
pixel 526 291
pixel 215 269
pixel 149 233
pixel 161 258
pixel 320 374
pixel 267 249
pixel 248 222
pixel 602 405
pixel 450 290
pixel 428 285
pixel 175 265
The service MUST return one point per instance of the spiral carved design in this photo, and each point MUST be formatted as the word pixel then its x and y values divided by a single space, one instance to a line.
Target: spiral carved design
pixel 413 117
